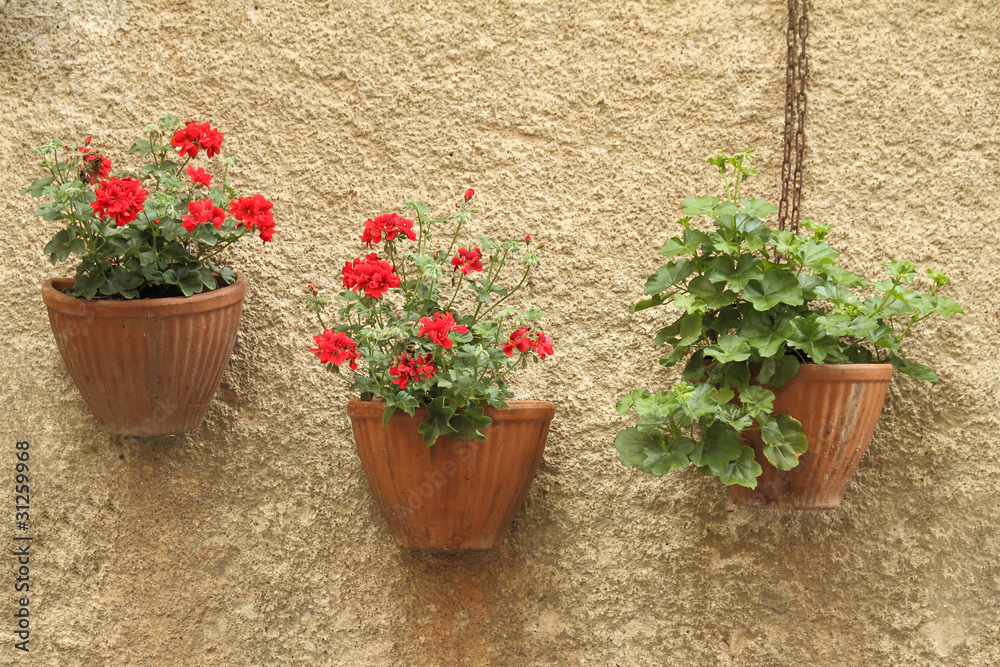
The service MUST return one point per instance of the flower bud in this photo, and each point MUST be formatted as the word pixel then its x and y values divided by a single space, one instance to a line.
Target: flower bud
pixel 469 194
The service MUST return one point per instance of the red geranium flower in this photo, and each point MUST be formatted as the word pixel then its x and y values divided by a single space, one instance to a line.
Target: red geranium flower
pixel 336 348
pixel 202 211
pixel 467 260
pixel 188 139
pixel 119 198
pixel 439 328
pixel 518 340
pixel 372 275
pixel 543 345
pixel 255 213
pixel 389 224
pixel 211 140
pixel 411 369
pixel 199 175
pixel 469 194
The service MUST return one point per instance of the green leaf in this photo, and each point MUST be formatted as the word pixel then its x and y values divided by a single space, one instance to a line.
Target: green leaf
pixel 652 302
pixel 775 371
pixel 663 456
pixel 757 401
pixel 668 333
pixel 387 412
pixel 37 187
pixel 732 375
pixel 715 295
pixel 140 147
pixel 720 444
pixel 743 471
pixel 689 245
pixel 87 284
pixel 711 206
pixel 773 288
pixel 437 424
pixel 784 441
pixel 695 368
pixel 787 243
pixel 835 324
pixel 628 401
pixel 757 208
pixel 729 348
pixel 468 422
pixel 631 445
pixel 901 269
pixel 63 244
pixel 812 339
pixel 690 328
pixel 816 254
pixel 917 371
pixel 668 276
pixel 765 336
pixel 689 302
pixel 228 275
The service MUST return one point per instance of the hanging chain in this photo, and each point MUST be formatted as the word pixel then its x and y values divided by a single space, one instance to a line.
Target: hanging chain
pixel 796 74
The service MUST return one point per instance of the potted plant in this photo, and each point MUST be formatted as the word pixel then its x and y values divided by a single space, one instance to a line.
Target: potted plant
pixel 788 355
pixel 150 318
pixel 428 334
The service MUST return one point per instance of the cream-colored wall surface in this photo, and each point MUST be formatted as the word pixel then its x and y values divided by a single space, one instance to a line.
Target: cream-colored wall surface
pixel 254 540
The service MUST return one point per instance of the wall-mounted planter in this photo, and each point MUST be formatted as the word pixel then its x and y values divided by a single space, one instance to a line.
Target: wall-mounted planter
pixel 148 366
pixel 457 494
pixel 839 406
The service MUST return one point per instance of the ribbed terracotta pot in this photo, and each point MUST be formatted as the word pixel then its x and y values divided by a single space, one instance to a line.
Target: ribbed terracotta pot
pixel 839 406
pixel 457 494
pixel 146 366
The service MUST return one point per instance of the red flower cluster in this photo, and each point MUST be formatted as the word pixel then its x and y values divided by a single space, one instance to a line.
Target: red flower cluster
pixel 439 328
pixel 467 260
pixel 203 211
pixel 389 224
pixel 522 341
pixel 543 345
pixel 254 212
pixel 336 348
pixel 193 136
pixel 372 275
pixel 199 175
pixel 119 198
pixel 410 369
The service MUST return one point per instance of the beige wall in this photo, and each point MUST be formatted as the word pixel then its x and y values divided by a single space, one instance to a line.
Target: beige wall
pixel 255 540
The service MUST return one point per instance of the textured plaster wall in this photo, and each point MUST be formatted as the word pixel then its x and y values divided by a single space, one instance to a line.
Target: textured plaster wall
pixel 254 539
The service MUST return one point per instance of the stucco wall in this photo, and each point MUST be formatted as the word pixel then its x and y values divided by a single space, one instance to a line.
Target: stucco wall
pixel 255 540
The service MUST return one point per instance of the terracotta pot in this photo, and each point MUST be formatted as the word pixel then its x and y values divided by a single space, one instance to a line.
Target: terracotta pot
pixel 457 494
pixel 839 406
pixel 147 366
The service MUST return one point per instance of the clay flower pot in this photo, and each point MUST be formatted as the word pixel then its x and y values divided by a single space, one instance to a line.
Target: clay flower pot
pixel 457 494
pixel 839 406
pixel 148 366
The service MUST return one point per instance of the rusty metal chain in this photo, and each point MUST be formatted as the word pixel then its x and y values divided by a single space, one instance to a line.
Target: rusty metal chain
pixel 796 74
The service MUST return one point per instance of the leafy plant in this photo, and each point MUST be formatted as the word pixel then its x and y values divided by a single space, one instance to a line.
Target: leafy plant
pixel 153 232
pixel 754 304
pixel 430 323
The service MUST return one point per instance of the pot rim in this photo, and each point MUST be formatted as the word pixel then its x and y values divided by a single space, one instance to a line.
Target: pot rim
pixel 877 372
pixel 173 305
pixel 517 411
